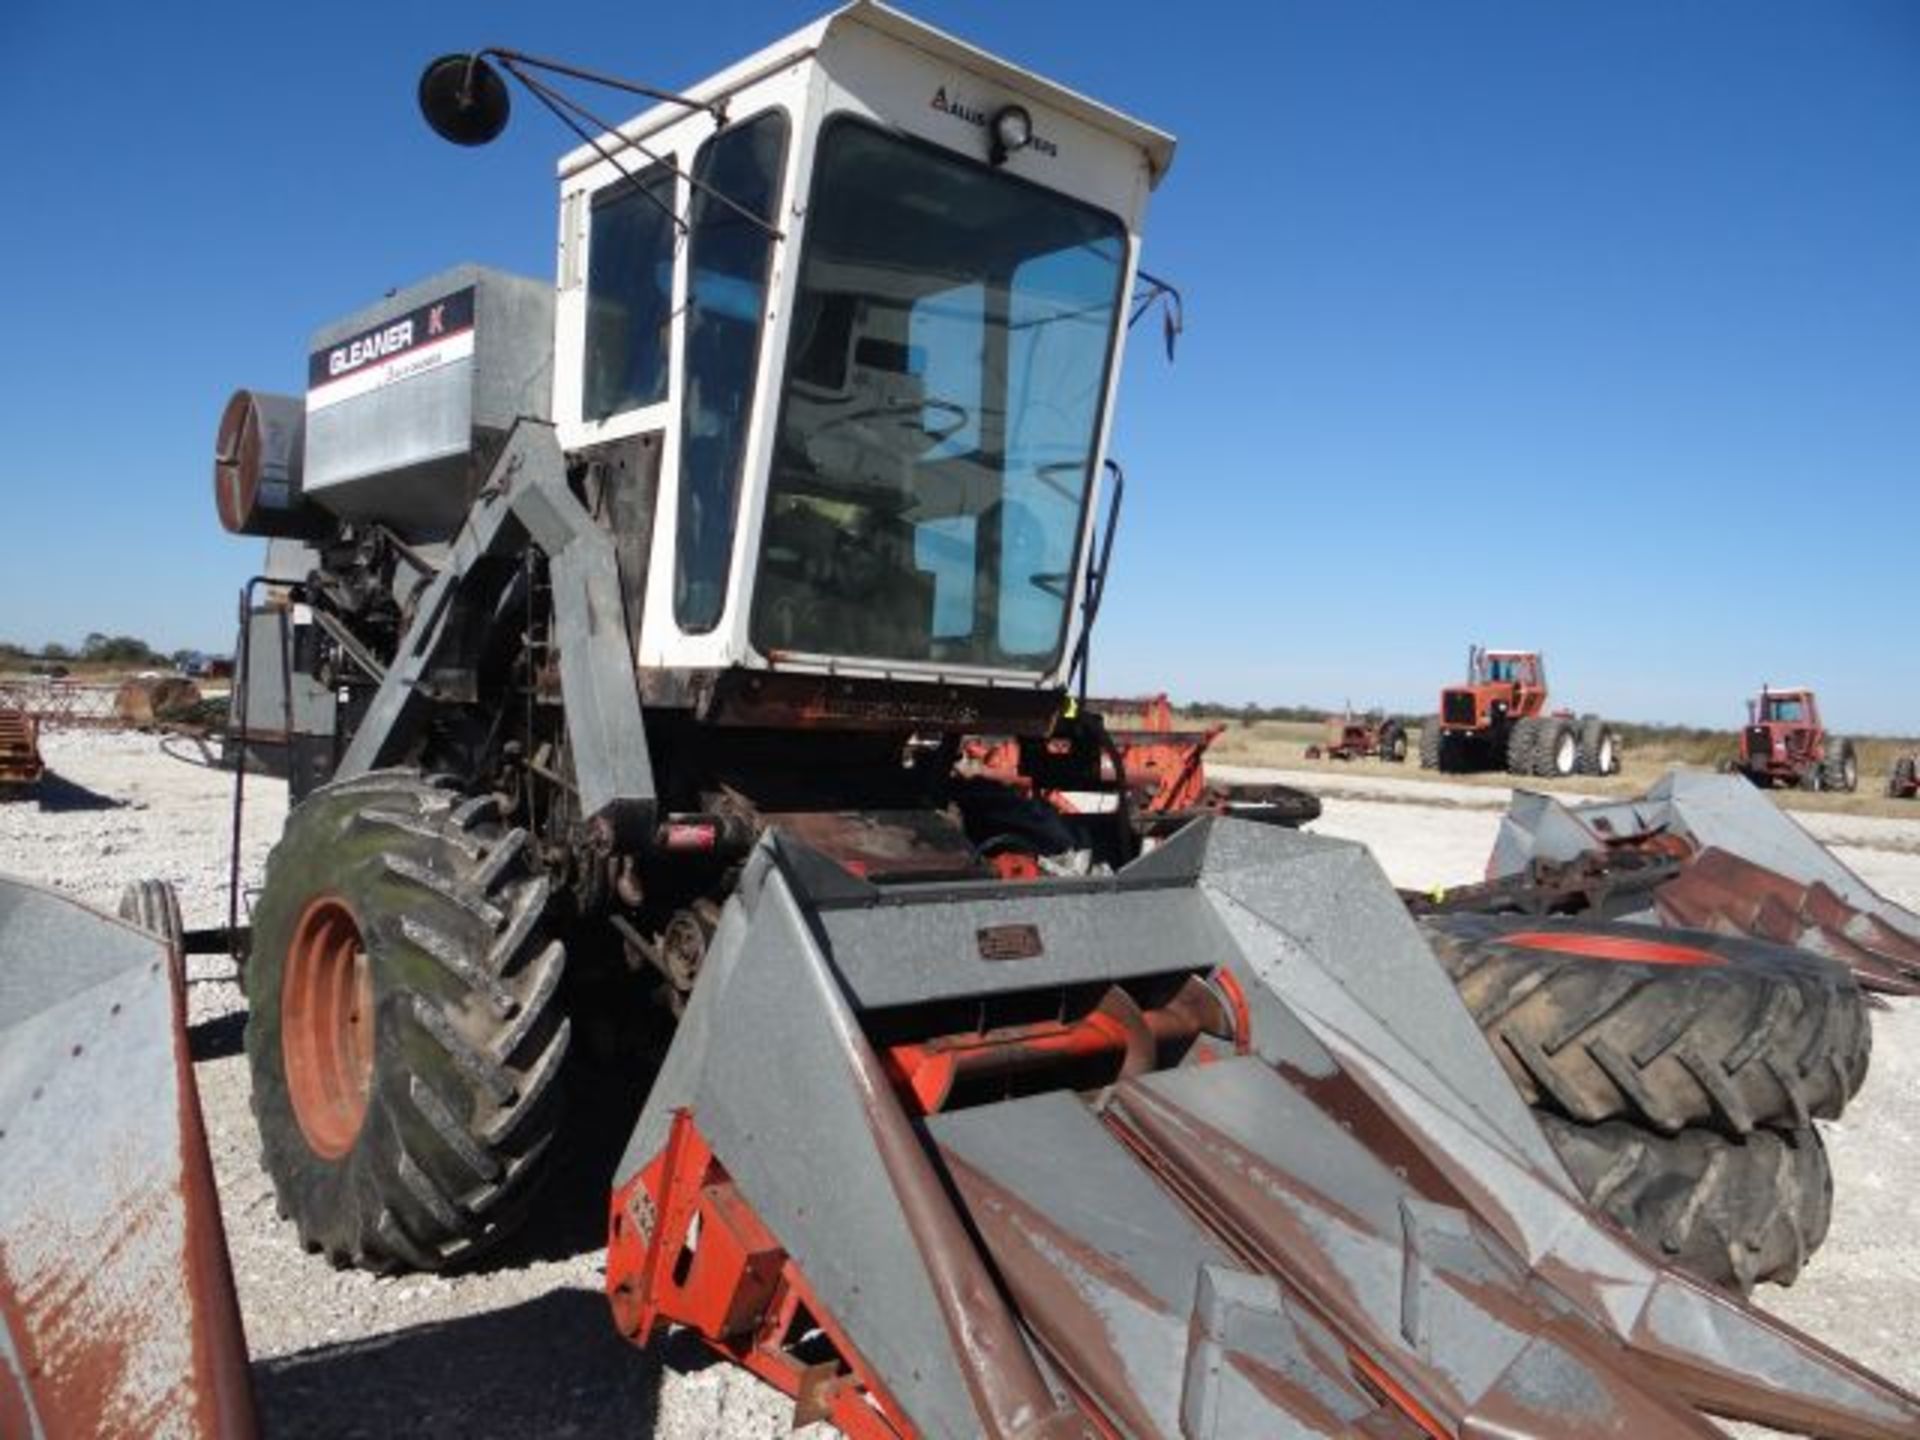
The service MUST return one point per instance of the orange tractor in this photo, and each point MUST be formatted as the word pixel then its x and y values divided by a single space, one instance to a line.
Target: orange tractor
pixel 1498 720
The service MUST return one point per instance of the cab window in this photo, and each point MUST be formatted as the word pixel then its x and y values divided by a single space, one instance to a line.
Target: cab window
pixel 630 243
pixel 727 261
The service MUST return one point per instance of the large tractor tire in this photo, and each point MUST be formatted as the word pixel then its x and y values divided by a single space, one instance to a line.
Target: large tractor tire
pixel 1599 748
pixel 1901 779
pixel 1430 743
pixel 1668 1028
pixel 1393 742
pixel 1841 767
pixel 1556 747
pixel 1733 1212
pixel 1522 736
pixel 404 1031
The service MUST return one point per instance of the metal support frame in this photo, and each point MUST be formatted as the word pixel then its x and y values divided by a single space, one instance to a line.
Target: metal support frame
pixel 526 501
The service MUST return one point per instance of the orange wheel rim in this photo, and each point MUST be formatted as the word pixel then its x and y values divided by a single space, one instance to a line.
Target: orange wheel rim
pixel 326 1026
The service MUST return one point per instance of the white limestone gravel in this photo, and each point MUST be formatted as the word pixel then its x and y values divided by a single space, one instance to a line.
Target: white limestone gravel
pixel 526 1348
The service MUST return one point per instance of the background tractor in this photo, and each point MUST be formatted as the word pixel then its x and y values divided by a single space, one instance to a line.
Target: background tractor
pixel 1785 743
pixel 1498 720
pixel 1359 737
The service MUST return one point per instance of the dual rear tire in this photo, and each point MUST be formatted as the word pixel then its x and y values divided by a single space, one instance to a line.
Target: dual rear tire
pixel 1554 747
pixel 1432 743
pixel 1393 742
pixel 1840 770
pixel 1599 747
pixel 1904 779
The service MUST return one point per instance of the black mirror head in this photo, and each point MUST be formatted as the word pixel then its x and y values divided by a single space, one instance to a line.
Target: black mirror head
pixel 464 99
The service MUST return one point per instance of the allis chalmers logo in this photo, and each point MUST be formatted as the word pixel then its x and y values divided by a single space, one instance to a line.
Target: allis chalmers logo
pixel 979 119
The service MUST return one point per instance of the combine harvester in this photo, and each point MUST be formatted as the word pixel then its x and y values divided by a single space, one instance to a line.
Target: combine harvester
pixel 658 605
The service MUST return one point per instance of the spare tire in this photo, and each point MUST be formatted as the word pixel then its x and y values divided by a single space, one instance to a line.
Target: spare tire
pixel 1672 1028
pixel 1733 1212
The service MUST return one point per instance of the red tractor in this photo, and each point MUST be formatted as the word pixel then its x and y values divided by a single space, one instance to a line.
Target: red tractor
pixel 1785 744
pixel 1498 720
pixel 1360 737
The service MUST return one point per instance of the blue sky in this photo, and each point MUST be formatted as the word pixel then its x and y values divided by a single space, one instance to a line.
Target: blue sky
pixel 1592 326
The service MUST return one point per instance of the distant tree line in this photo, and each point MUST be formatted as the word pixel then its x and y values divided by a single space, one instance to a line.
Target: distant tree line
pixel 1252 715
pixel 98 649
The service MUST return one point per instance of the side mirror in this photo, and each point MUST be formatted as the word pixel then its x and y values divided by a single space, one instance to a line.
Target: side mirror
pixel 464 99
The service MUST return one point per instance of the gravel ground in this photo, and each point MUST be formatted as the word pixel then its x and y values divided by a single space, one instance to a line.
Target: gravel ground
pixel 525 1347
pixel 522 1348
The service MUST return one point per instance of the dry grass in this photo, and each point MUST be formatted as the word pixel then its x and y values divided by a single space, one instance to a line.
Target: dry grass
pixel 1280 744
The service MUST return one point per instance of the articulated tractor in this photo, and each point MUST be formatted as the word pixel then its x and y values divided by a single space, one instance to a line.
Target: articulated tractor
pixel 630 623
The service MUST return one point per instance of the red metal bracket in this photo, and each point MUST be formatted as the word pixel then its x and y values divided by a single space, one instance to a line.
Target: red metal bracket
pixel 686 1248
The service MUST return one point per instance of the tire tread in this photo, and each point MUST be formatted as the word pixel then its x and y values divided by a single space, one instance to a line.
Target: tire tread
pixel 471 1035
pixel 1771 1039
pixel 1732 1212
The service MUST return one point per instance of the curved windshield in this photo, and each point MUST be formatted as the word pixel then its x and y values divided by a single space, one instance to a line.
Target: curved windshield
pixel 948 362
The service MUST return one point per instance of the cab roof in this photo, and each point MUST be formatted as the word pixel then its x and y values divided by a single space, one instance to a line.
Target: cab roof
pixel 1157 145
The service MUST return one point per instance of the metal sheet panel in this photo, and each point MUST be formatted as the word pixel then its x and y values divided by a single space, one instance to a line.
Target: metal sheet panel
pixel 759 1033
pixel 940 946
pixel 408 398
pixel 115 1292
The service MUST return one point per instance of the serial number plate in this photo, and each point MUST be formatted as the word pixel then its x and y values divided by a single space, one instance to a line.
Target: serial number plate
pixel 1010 942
